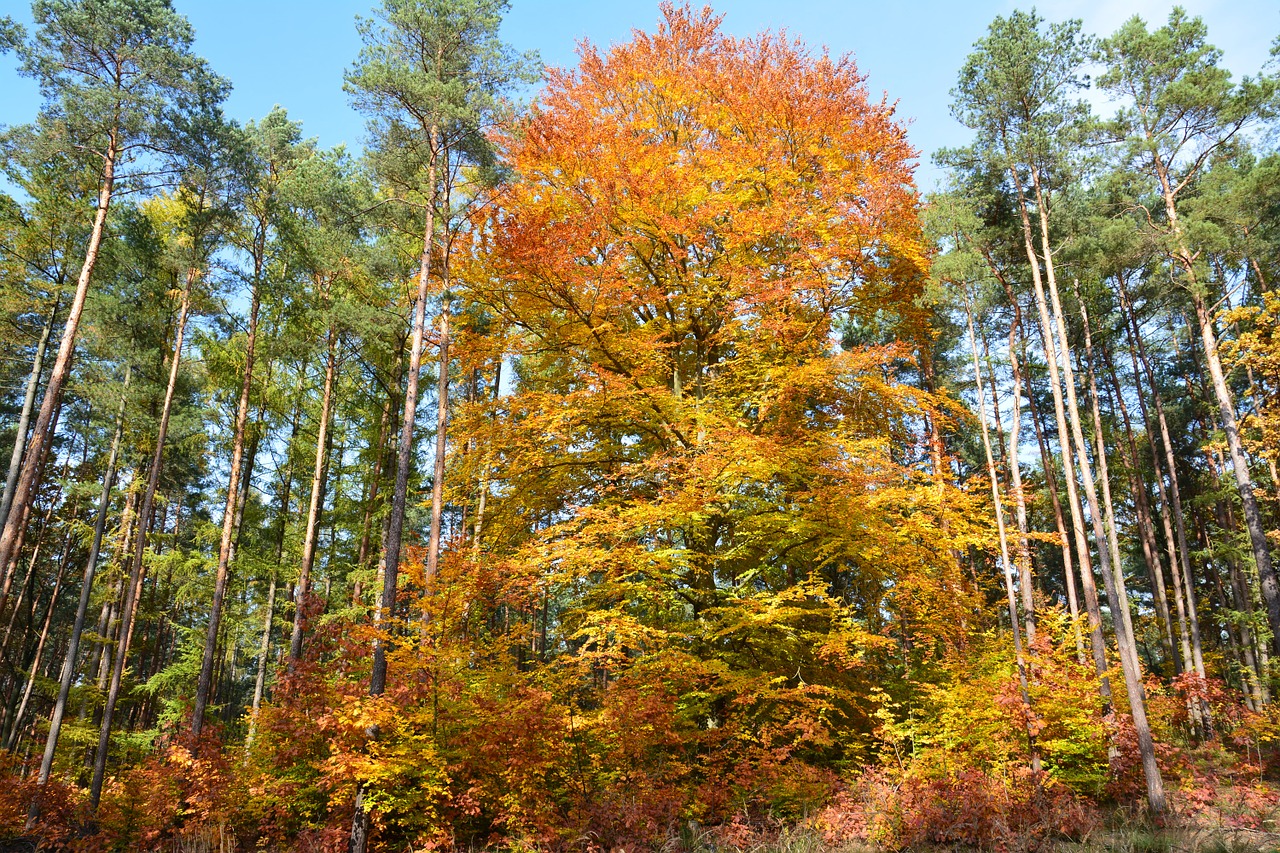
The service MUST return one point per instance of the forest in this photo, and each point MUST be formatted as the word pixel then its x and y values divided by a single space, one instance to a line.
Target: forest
pixel 632 456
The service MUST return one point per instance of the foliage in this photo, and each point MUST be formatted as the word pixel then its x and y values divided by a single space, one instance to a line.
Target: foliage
pixel 729 556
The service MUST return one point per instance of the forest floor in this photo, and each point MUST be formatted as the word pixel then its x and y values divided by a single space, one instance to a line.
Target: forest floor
pixel 1114 840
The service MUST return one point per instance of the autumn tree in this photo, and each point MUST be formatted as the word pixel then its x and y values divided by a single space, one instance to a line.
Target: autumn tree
pixel 700 481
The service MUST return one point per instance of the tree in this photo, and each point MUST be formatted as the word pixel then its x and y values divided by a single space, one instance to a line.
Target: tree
pixel 113 76
pixel 1181 109
pixel 429 76
pixel 1017 91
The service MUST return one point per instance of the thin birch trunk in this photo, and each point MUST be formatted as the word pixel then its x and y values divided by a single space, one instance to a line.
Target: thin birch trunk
pixel 1005 562
pixel 442 424
pixel 1146 527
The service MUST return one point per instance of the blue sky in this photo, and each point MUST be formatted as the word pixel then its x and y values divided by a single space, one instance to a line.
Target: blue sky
pixel 293 53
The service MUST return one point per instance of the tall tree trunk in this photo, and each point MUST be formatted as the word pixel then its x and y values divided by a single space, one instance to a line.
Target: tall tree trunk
pixel 1104 477
pixel 23 512
pixel 935 448
pixel 312 532
pixel 1267 580
pixel 24 420
pixel 1146 527
pixel 1005 562
pixel 442 424
pixel 35 664
pixel 86 591
pixel 24 593
pixel 371 497
pixel 404 457
pixel 133 587
pixel 1254 678
pixel 1097 642
pixel 1112 580
pixel 1059 519
pixel 226 544
pixel 264 648
pixel 28 478
pixel 1185 584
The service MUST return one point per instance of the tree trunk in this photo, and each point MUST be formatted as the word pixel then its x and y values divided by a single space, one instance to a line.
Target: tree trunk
pixel 1059 520
pixel 1267 580
pixel 1146 527
pixel 226 544
pixel 1097 643
pixel 1005 562
pixel 133 587
pixel 86 591
pixel 264 649
pixel 404 458
pixel 1104 477
pixel 935 448
pixel 371 498
pixel 28 478
pixel 35 664
pixel 24 420
pixel 442 423
pixel 1112 580
pixel 1184 584
pixel 312 531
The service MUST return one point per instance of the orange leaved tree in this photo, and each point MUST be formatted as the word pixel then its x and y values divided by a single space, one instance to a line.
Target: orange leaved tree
pixel 708 495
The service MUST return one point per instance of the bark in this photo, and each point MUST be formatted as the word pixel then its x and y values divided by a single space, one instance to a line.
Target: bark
pixel 1267 580
pixel 1146 527
pixel 22 515
pixel 1155 788
pixel 1112 579
pixel 371 498
pixel 137 574
pixel 1109 519
pixel 1006 563
pixel 1184 580
pixel 1254 688
pixel 312 532
pixel 29 476
pixel 1097 642
pixel 1268 583
pixel 264 648
pixel 227 542
pixel 935 448
pixel 1059 520
pixel 35 664
pixel 404 455
pixel 86 591
pixel 24 593
pixel 24 420
pixel 442 424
